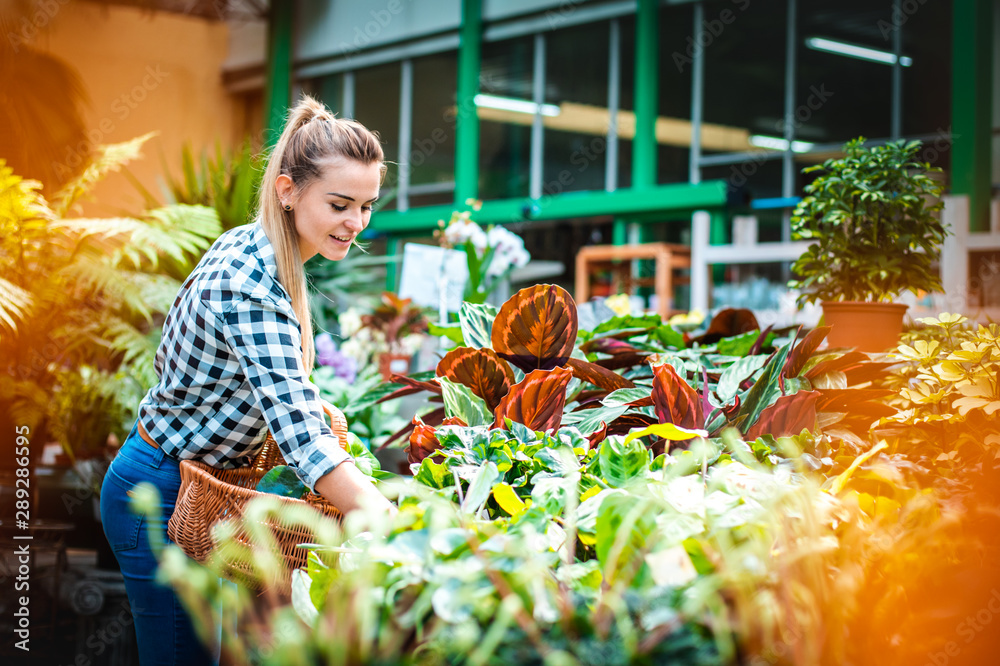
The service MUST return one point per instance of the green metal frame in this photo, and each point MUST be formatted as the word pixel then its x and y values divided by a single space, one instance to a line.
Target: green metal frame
pixel 971 106
pixel 278 86
pixel 467 120
pixel 635 205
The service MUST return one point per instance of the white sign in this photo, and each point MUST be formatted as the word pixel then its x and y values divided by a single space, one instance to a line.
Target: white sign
pixel 422 276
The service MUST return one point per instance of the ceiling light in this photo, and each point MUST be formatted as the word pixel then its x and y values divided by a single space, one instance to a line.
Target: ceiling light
pixel 775 143
pixel 855 51
pixel 515 105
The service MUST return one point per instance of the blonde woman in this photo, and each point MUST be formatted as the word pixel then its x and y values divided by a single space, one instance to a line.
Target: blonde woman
pixel 235 359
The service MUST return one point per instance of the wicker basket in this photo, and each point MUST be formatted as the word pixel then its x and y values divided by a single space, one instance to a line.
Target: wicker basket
pixel 208 495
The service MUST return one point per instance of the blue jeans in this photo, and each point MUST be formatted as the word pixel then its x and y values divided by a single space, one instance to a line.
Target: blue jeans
pixel 163 628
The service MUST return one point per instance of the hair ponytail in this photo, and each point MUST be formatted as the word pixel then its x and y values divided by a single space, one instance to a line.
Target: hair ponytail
pixel 311 136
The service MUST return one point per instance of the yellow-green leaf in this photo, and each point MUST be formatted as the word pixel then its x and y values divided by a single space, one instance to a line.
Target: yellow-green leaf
pixel 507 498
pixel 669 431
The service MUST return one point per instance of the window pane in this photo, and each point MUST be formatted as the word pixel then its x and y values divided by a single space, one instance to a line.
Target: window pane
pixel 839 97
pixel 576 79
pixel 744 73
pixel 376 105
pixel 329 90
pixel 927 39
pixel 432 157
pixel 674 90
pixel 505 135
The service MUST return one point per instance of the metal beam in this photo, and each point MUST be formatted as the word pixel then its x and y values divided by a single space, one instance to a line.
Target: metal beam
pixel 972 106
pixel 625 203
pixel 467 121
pixel 644 145
pixel 278 83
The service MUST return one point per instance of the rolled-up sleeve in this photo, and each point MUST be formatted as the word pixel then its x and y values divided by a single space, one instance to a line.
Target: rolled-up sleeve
pixel 267 343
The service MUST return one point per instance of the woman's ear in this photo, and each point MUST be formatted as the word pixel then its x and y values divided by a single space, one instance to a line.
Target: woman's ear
pixel 285 188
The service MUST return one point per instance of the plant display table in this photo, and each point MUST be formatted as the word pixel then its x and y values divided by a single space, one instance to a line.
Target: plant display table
pixel 669 257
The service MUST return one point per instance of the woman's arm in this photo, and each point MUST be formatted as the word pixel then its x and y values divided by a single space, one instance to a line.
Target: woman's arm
pixel 348 489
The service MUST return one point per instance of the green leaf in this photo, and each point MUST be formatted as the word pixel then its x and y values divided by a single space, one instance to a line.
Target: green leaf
pixel 620 462
pixel 624 525
pixel 451 331
pixel 736 374
pixel 481 487
pixel 476 321
pixel 364 459
pixel 589 421
pixel 667 336
pixel 282 480
pixel 737 345
pixel 623 397
pixel 434 475
pixel 461 402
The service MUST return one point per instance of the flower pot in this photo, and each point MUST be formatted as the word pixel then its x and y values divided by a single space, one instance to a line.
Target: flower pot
pixel 389 364
pixel 868 327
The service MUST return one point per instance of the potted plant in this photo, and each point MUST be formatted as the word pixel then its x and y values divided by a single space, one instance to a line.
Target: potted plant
pixel 394 320
pixel 873 218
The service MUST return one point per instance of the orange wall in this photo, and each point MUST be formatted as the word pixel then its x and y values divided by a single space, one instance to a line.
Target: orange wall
pixel 144 71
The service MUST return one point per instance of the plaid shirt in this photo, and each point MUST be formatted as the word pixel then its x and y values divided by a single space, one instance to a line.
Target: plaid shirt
pixel 230 367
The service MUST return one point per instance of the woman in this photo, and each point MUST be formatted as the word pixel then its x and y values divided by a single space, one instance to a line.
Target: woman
pixel 235 358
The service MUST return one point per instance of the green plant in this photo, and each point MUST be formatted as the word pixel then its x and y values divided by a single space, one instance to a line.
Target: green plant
pixel 227 182
pixel 872 216
pixel 80 298
pixel 947 393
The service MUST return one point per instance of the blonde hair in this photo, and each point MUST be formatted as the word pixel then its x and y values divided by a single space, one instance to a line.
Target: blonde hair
pixel 311 137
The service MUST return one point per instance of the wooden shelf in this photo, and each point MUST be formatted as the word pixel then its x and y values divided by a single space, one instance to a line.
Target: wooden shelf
pixel 669 258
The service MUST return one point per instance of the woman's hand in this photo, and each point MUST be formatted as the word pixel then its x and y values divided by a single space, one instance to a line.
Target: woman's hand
pixel 347 488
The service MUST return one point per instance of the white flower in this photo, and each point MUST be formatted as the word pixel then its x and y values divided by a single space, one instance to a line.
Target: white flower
pixel 350 322
pixel 462 230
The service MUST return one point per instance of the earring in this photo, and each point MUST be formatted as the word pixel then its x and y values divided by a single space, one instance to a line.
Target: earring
pixel 288 206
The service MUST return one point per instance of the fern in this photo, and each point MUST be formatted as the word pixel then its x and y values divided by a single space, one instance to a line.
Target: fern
pixel 81 299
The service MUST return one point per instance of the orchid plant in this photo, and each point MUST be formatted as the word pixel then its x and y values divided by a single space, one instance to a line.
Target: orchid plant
pixel 492 253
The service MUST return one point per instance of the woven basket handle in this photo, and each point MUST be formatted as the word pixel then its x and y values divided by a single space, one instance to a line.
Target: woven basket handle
pixel 338 423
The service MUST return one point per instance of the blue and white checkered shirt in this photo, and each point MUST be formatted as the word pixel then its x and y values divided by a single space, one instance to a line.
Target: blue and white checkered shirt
pixel 230 367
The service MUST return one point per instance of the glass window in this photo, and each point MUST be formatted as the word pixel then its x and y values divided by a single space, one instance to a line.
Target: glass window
pixel 927 41
pixel 838 96
pixel 674 94
pixel 744 89
pixel 505 134
pixel 376 105
pixel 432 154
pixel 329 90
pixel 576 80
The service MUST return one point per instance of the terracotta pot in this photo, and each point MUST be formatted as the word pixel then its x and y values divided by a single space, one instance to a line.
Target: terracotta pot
pixel 869 327
pixel 389 364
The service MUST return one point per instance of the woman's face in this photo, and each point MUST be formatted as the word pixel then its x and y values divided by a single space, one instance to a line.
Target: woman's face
pixel 332 210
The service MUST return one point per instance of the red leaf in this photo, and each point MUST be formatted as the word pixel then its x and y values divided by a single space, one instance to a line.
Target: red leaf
pixel 804 350
pixel 423 441
pixel 485 373
pixel 537 401
pixel 626 422
pixel 789 415
pixel 598 436
pixel 536 328
pixel 674 400
pixel 619 361
pixel 607 346
pixel 431 386
pixel 598 376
